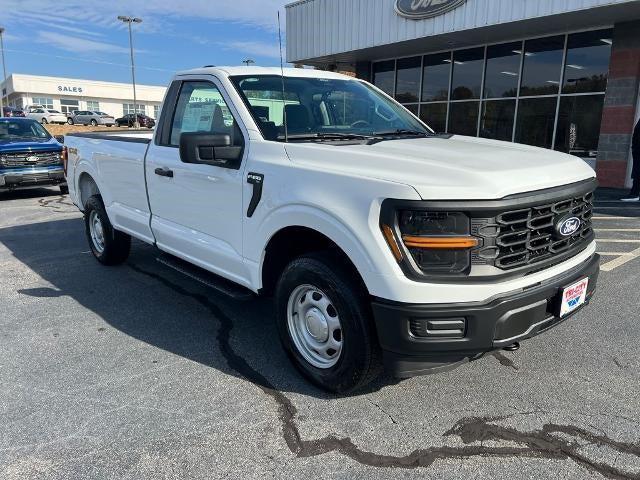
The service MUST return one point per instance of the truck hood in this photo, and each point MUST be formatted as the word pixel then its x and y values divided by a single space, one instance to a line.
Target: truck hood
pixel 456 168
pixel 44 145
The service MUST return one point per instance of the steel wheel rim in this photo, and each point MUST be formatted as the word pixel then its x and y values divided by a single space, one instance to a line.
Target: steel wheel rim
pixel 97 231
pixel 314 326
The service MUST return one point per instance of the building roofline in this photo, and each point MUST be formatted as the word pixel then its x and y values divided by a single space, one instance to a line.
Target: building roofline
pixel 66 79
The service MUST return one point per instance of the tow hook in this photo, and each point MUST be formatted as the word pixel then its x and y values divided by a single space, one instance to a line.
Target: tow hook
pixel 514 347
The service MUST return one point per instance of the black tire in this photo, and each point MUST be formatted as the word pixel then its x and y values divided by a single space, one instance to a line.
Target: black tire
pixel 44 121
pixel 70 121
pixel 116 245
pixel 64 189
pixel 94 123
pixel 359 362
pixel 118 124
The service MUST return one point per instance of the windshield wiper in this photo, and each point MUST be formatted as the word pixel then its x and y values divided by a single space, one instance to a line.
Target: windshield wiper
pixel 402 131
pixel 330 136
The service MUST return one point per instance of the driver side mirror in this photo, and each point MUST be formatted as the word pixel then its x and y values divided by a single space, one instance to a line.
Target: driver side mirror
pixel 209 149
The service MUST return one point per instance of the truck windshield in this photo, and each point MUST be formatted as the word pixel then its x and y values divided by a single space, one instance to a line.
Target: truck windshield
pixel 12 130
pixel 323 108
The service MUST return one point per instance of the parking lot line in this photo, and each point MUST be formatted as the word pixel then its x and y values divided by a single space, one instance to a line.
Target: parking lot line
pixel 621 260
pixel 614 218
pixel 615 254
pixel 617 229
pixel 615 240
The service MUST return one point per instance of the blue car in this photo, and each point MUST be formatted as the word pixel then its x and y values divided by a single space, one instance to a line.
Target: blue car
pixel 29 156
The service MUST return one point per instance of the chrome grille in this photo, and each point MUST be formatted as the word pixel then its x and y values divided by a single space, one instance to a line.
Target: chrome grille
pixel 30 159
pixel 527 236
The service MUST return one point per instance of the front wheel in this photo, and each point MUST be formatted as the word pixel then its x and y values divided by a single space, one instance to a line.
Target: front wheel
pixel 325 323
pixel 94 123
pixel 70 121
pixel 108 245
pixel 44 121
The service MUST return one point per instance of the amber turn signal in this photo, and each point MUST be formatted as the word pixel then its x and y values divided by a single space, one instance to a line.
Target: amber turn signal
pixel 440 243
pixel 391 240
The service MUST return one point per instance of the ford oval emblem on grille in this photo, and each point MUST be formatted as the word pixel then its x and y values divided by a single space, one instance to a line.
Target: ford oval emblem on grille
pixel 568 226
pixel 32 159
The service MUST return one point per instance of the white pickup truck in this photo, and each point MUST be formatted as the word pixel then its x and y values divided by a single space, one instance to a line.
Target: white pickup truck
pixel 382 242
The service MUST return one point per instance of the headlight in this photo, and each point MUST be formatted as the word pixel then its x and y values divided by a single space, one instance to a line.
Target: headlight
pixel 435 243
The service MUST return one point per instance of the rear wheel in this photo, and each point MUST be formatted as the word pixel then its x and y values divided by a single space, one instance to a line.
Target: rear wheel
pixel 43 121
pixel 108 245
pixel 325 323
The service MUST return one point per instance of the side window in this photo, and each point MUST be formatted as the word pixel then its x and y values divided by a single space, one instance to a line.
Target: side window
pixel 201 108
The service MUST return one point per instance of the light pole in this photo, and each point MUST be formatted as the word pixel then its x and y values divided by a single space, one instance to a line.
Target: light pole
pixel 129 21
pixel 4 73
pixel 248 62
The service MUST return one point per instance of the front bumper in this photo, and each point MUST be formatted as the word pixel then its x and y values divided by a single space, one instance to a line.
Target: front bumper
pixel 485 326
pixel 35 177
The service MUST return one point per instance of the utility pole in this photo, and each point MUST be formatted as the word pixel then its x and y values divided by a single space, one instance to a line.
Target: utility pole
pixel 4 72
pixel 129 21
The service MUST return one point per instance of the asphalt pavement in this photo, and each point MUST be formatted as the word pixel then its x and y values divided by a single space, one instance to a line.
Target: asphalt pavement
pixel 137 372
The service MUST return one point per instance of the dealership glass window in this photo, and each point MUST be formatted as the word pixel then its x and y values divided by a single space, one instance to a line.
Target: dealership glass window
pixel 408 79
pixel 128 108
pixel 413 108
pixel 44 101
pixel 93 105
pixel 542 66
pixel 156 110
pixel 463 118
pixel 436 76
pixel 497 119
pixel 587 66
pixel 578 130
pixel 384 76
pixel 536 119
pixel 467 74
pixel 503 70
pixel 434 115
pixel 68 106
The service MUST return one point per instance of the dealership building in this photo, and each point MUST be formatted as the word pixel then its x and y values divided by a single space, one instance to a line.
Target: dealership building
pixel 68 94
pixel 558 74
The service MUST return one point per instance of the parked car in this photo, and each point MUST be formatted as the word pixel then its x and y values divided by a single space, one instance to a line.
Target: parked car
pixel 86 117
pixel 12 112
pixel 29 155
pixel 128 121
pixel 380 239
pixel 47 115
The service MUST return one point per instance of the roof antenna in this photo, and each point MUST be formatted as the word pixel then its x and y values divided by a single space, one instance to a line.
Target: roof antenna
pixel 284 103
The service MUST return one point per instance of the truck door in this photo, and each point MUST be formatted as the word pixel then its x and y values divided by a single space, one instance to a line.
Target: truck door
pixel 197 209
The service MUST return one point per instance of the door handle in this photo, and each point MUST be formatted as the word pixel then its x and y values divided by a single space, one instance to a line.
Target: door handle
pixel 164 172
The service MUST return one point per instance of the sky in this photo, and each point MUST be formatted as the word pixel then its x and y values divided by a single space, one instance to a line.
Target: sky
pixel 83 38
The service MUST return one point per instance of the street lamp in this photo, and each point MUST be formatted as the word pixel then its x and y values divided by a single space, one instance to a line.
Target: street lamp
pixel 248 61
pixel 129 21
pixel 4 72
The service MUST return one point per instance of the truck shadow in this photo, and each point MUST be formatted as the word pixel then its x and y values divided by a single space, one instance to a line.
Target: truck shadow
pixel 29 193
pixel 156 305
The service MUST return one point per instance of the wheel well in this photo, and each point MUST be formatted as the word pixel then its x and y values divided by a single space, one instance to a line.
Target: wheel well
pixel 87 187
pixel 292 242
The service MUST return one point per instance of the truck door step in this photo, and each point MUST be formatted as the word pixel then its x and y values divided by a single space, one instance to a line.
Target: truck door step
pixel 211 280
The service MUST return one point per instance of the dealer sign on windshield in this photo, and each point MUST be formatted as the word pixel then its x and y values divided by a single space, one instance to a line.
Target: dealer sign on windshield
pixel 420 9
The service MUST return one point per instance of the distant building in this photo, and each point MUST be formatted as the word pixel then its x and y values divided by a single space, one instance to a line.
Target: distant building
pixel 68 94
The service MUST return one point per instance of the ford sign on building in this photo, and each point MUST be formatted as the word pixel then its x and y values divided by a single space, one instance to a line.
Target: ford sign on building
pixel 558 74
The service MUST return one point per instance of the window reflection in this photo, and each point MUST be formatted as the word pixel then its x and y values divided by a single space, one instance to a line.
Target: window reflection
pixel 408 83
pixel 536 118
pixel 579 125
pixel 467 74
pixel 463 118
pixel 542 66
pixel 434 115
pixel 497 119
pixel 503 70
pixel 384 76
pixel 436 77
pixel 587 65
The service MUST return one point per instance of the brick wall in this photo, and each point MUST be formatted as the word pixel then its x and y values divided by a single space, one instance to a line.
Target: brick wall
pixel 619 105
